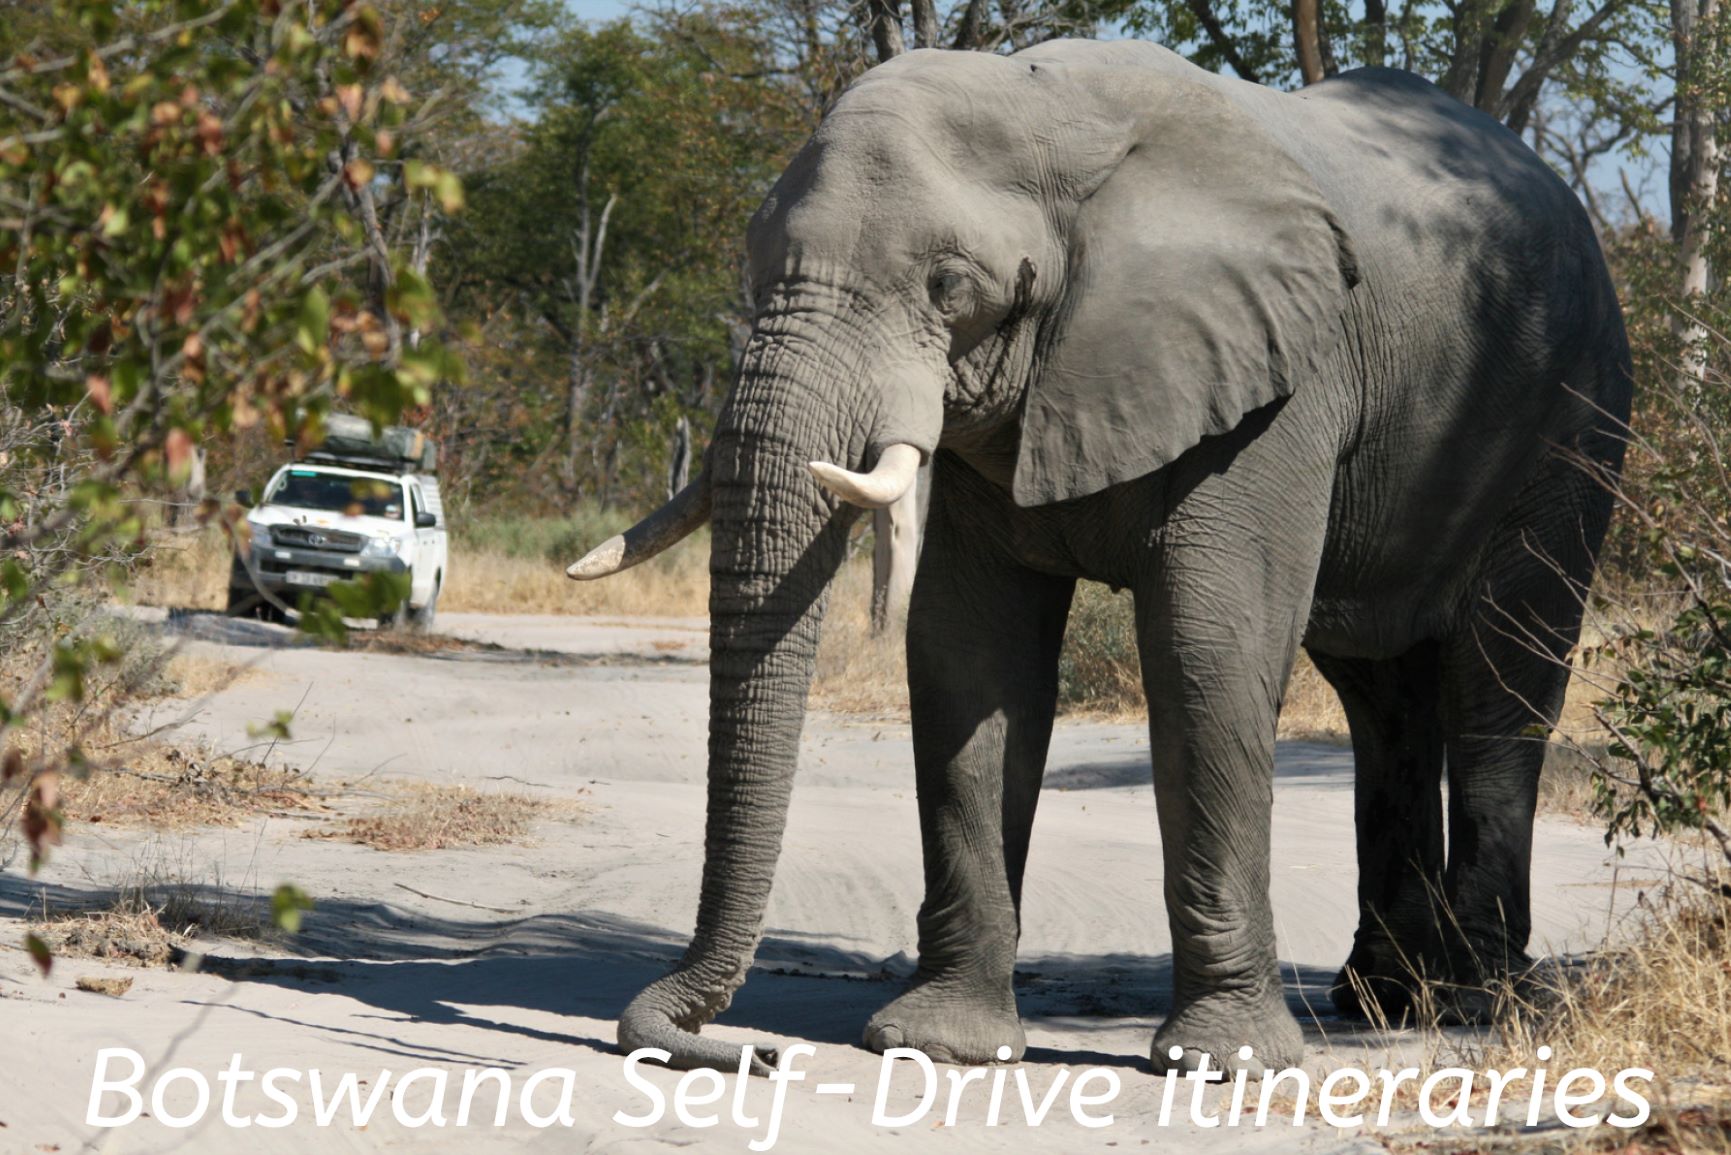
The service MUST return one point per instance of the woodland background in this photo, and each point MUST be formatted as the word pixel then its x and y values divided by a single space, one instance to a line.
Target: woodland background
pixel 593 283
pixel 522 231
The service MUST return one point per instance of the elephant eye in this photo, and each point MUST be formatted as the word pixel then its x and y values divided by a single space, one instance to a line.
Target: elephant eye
pixel 949 290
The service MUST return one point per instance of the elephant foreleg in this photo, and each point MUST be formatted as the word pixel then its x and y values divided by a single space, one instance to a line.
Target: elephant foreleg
pixel 983 641
pixel 1219 615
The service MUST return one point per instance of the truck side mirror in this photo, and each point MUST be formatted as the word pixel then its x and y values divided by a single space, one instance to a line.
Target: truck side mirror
pixel 244 496
pixel 425 520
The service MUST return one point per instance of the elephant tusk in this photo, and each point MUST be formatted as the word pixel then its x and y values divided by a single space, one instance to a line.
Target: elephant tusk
pixel 885 485
pixel 683 514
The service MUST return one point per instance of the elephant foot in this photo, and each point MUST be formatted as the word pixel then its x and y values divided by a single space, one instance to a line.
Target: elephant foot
pixel 950 1025
pixel 1390 988
pixel 1220 1026
pixel 1480 980
pixel 1380 984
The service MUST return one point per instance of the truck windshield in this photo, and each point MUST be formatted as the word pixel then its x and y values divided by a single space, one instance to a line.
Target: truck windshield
pixel 355 496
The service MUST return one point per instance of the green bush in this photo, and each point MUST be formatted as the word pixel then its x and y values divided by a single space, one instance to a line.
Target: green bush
pixel 1099 670
pixel 189 252
pixel 1665 673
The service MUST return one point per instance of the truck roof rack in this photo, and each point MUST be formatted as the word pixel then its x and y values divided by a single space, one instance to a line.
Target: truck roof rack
pixel 350 442
pixel 393 466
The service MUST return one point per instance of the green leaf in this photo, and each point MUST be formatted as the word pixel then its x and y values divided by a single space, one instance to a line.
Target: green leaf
pixel 67 681
pixel 313 327
pixel 39 954
pixel 287 905
pixel 277 727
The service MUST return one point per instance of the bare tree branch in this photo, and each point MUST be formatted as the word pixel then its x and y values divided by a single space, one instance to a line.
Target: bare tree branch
pixel 1221 39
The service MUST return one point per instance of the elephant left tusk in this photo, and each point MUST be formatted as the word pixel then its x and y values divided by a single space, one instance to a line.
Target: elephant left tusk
pixel 680 517
pixel 885 485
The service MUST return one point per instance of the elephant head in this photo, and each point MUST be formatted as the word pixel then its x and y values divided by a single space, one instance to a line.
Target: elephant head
pixel 1074 262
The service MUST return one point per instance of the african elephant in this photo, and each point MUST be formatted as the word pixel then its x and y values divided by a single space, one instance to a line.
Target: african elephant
pixel 1340 368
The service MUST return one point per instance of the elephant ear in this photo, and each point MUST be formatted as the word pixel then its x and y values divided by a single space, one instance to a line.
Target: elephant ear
pixel 1206 279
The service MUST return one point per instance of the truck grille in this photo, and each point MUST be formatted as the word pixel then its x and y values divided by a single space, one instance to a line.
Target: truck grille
pixel 305 537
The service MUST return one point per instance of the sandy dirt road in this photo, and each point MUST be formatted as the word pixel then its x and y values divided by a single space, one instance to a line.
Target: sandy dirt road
pixel 520 957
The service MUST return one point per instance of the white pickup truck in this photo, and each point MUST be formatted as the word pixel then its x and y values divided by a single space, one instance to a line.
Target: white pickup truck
pixel 335 516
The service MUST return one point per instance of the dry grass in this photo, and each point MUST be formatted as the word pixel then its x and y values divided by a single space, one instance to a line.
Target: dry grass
pixel 1100 675
pixel 859 673
pixel 190 571
pixel 147 926
pixel 1100 668
pixel 425 816
pixel 1656 996
pixel 1566 783
pixel 167 787
pixel 185 570
pixel 1660 999
pixel 195 675
pixel 143 781
pixel 131 937
pixel 676 584
pixel 1311 709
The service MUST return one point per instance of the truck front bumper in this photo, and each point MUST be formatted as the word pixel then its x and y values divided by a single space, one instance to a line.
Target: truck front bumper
pixel 284 569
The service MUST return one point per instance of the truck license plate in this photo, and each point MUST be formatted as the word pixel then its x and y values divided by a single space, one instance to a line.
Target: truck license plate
pixel 298 577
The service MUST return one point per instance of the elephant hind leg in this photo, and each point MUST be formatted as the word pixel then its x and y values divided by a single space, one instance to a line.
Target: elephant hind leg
pixel 1504 674
pixel 1393 708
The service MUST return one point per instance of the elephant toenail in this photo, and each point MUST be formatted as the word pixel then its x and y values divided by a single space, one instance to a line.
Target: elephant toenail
pixel 884 1038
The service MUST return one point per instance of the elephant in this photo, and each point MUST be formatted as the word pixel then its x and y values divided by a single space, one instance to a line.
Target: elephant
pixel 1341 368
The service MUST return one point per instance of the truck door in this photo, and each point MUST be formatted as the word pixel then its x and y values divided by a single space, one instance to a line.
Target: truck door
pixel 426 560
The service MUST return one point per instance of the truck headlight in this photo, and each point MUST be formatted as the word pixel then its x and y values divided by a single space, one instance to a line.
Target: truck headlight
pixel 382 547
pixel 260 535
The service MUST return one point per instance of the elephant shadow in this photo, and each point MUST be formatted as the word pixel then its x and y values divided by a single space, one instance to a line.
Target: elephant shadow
pixel 1314 763
pixel 587 965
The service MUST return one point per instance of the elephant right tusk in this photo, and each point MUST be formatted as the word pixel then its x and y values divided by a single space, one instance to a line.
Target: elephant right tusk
pixel 885 485
pixel 683 514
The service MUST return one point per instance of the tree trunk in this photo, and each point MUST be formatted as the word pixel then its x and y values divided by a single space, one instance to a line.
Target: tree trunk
pixel 1375 28
pixel 576 399
pixel 422 253
pixel 886 28
pixel 1314 58
pixel 971 33
pixel 186 501
pixel 1694 180
pixel 1497 54
pixel 925 24
pixel 607 473
pixel 679 473
pixel 588 245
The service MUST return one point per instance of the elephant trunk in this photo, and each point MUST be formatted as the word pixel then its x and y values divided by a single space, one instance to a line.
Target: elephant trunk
pixel 776 543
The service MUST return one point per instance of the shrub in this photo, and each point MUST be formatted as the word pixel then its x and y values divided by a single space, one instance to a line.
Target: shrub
pixel 1664 664
pixel 1099 670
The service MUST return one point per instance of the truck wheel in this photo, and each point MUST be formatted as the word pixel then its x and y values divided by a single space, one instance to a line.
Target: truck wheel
pixel 395 619
pixel 243 599
pixel 242 603
pixel 422 619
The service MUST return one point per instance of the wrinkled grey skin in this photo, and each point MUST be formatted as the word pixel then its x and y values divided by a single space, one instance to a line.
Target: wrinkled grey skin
pixel 1307 368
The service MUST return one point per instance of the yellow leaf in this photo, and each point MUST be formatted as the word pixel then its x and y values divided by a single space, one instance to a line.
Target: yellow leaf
pixel 350 96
